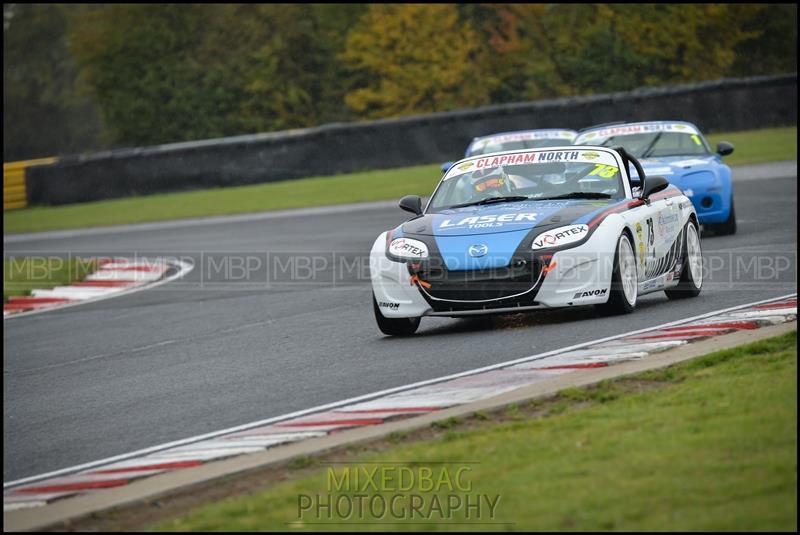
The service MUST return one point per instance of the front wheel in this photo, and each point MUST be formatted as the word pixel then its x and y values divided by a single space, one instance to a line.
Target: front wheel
pixel 691 280
pixel 394 326
pixel 624 280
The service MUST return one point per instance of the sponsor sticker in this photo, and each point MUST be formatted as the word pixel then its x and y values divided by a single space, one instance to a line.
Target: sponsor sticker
pixel 466 166
pixel 560 236
pixel 526 136
pixel 408 248
pixel 637 128
pixel 389 305
pixel 531 157
pixel 667 224
pixel 485 221
pixel 590 293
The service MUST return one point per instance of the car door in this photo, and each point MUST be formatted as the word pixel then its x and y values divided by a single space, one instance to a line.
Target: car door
pixel 643 220
pixel 657 239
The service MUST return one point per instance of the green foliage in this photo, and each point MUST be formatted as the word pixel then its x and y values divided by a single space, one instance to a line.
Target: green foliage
pixel 298 463
pixel 44 113
pixel 208 70
pixel 447 423
pixel 100 75
pixel 550 50
pixel 407 61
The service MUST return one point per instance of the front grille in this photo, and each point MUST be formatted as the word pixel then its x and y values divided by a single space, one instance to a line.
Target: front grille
pixel 497 285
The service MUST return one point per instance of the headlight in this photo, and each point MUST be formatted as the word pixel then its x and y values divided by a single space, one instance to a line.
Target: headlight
pixel 560 236
pixel 408 249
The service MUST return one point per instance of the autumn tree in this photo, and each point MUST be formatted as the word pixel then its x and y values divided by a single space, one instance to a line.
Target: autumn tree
pixel 44 113
pixel 177 72
pixel 89 76
pixel 548 49
pixel 413 58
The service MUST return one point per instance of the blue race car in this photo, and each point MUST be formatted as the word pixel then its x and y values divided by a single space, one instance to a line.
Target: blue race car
pixel 677 151
pixel 521 139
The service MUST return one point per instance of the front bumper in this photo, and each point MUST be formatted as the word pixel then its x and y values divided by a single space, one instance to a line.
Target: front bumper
pixel 574 277
pixel 710 195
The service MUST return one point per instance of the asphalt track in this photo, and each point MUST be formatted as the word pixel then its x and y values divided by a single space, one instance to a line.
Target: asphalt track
pixel 226 346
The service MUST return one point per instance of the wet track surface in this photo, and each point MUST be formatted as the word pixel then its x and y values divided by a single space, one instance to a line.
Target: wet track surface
pixel 235 341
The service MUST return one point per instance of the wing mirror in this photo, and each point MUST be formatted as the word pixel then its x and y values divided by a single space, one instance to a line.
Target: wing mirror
pixel 446 166
pixel 724 148
pixel 654 184
pixel 412 203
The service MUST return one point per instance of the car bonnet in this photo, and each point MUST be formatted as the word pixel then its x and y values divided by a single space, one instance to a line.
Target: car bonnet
pixel 498 229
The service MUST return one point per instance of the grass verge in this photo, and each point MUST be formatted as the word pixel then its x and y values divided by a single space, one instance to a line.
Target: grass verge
pixel 21 275
pixel 710 444
pixel 759 146
pixel 320 191
pixel 751 147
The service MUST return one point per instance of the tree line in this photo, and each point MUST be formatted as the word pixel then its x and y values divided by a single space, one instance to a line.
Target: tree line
pixel 94 76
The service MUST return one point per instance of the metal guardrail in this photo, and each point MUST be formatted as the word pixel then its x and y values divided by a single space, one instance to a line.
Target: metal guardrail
pixel 14 185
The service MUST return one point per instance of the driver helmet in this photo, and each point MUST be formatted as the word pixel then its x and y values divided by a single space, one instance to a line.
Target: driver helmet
pixel 483 183
pixel 491 180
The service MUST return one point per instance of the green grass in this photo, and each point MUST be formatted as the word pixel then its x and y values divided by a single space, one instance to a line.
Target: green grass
pixel 751 147
pixel 706 445
pixel 21 275
pixel 321 191
pixel 759 146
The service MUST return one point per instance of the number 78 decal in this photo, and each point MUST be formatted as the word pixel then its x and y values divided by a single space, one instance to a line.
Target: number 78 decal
pixel 604 171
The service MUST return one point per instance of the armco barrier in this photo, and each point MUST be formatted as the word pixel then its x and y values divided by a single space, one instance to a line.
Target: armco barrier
pixel 728 104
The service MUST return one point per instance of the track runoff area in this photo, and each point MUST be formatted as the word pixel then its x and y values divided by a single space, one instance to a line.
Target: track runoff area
pixel 381 407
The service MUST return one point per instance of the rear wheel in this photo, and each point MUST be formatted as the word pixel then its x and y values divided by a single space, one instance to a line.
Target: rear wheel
pixel 624 280
pixel 691 280
pixel 394 326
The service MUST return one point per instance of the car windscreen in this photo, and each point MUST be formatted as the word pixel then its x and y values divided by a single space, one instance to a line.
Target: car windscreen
pixel 650 141
pixel 540 175
pixel 487 148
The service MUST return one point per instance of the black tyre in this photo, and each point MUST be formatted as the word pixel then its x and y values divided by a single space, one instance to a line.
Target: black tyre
pixel 728 227
pixel 624 280
pixel 394 326
pixel 691 281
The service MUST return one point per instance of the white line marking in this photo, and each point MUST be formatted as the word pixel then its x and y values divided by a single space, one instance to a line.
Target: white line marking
pixel 22 505
pixel 365 397
pixel 202 221
pixel 184 268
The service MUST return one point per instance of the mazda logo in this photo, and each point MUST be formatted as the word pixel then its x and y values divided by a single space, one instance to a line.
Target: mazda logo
pixel 478 249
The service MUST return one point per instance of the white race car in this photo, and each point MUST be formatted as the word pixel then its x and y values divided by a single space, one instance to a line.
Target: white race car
pixel 536 228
